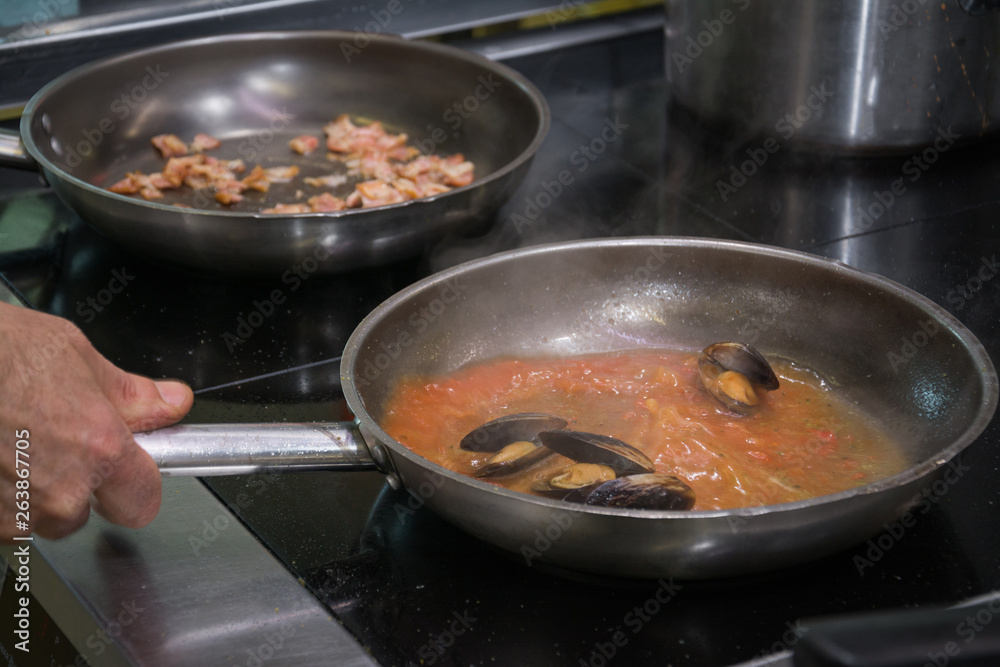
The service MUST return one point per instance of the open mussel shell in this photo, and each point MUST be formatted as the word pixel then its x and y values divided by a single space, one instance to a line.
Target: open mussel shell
pixel 496 434
pixel 528 454
pixel 735 373
pixel 622 457
pixel 648 491
pixel 744 359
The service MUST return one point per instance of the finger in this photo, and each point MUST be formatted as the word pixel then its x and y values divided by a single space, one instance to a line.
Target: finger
pixel 55 527
pixel 131 493
pixel 143 404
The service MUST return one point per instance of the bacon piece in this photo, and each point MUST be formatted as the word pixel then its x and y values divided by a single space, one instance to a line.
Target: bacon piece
pixel 288 209
pixel 457 170
pixel 228 192
pixel 414 190
pixel 328 181
pixel 257 180
pixel 378 193
pixel 169 145
pixel 326 203
pixel 204 142
pixel 304 144
pixel 282 174
pixel 129 185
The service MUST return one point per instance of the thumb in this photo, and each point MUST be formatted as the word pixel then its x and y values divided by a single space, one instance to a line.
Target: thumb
pixel 145 404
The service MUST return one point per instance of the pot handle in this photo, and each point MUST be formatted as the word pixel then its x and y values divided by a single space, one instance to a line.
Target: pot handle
pixel 209 450
pixel 12 153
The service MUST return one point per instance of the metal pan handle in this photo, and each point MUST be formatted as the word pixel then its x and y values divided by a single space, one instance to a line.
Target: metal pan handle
pixel 12 153
pixel 209 450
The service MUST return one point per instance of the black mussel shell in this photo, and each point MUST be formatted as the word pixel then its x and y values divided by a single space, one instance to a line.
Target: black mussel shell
pixel 646 492
pixel 505 468
pixel 496 434
pixel 620 456
pixel 744 359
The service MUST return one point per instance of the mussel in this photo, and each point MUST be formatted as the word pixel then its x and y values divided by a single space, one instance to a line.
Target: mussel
pixel 514 440
pixel 621 457
pixel 649 491
pixel 735 373
pixel 610 473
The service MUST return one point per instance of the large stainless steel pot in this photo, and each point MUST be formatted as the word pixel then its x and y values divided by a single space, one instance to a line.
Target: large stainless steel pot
pixel 893 351
pixel 856 75
pixel 256 91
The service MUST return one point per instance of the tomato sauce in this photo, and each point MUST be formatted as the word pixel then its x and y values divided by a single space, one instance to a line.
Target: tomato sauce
pixel 805 441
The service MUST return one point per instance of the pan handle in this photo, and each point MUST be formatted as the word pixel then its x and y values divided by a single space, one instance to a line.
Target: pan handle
pixel 209 450
pixel 12 153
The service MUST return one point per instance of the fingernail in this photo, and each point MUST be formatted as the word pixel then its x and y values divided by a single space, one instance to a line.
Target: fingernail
pixel 172 392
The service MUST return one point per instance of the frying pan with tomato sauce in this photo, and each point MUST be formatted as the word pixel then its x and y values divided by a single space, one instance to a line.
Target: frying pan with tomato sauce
pixel 86 129
pixel 619 294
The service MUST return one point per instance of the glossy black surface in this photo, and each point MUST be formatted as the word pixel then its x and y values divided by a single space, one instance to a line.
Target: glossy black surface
pixel 413 589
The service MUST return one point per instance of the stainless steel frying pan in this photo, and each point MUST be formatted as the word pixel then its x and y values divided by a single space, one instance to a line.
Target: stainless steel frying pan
pixel 89 127
pixel 893 351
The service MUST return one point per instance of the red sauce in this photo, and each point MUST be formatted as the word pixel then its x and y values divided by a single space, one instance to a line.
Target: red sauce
pixel 805 441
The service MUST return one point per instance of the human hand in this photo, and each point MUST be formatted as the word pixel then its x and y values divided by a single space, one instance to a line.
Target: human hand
pixel 77 412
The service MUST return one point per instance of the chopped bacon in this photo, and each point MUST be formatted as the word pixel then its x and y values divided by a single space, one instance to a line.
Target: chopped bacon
pixel 288 208
pixel 228 192
pixel 304 144
pixel 169 145
pixel 257 180
pixel 282 174
pixel 457 170
pixel 204 142
pixel 378 193
pixel 328 181
pixel 390 170
pixel 128 185
pixel 326 203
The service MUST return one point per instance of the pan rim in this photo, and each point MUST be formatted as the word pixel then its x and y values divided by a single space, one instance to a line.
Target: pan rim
pixel 974 348
pixel 543 114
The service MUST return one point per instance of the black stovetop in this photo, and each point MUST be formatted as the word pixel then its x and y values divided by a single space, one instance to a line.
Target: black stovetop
pixel 412 588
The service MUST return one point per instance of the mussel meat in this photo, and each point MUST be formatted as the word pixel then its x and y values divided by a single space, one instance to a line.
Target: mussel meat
pixel 734 373
pixel 649 491
pixel 514 439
